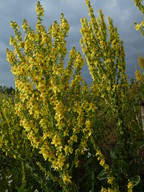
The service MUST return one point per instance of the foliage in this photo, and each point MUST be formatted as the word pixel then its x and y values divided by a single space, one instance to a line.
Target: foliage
pixel 7 90
pixel 18 158
pixel 58 131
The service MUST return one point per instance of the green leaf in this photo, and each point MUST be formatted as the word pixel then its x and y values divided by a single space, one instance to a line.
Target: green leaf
pixel 102 175
pixel 112 154
pixel 135 180
pixel 141 145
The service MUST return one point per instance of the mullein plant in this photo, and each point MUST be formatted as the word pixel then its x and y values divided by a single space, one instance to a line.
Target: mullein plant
pixel 19 156
pixel 139 74
pixel 13 140
pixel 51 110
pixel 105 58
pixel 52 101
pixel 9 138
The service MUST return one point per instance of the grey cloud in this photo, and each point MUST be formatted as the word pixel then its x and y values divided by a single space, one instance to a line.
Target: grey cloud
pixel 124 14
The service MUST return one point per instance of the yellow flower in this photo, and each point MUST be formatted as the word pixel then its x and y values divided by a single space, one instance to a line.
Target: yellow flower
pixel 137 27
pixel 60 161
pixel 39 9
pixel 66 133
pixel 110 190
pixel 88 124
pixel 66 149
pixel 44 38
pixel 56 141
pixel 24 25
pixel 130 185
pixel 42 122
pixel 14 25
pixel 106 167
pixel 103 189
pixel 98 153
pixel 92 107
pixel 108 88
pixel 102 162
pixel 74 138
pixel 36 114
pixel 139 76
pixel 67 179
pixel 77 163
pixel 45 155
pixel 70 150
pixel 110 180
pixel 142 23
pixel 11 40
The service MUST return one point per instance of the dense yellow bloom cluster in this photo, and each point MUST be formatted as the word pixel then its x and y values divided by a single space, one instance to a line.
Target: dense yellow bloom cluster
pixel 138 74
pixel 105 57
pixel 39 9
pixel 13 140
pixel 50 107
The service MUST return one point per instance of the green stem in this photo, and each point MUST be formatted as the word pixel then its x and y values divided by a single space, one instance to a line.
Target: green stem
pixel 92 181
pixel 23 176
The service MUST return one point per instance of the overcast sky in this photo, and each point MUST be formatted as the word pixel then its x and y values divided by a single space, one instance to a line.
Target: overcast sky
pixel 123 12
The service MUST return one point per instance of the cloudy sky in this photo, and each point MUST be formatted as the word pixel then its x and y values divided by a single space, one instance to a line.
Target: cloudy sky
pixel 123 12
